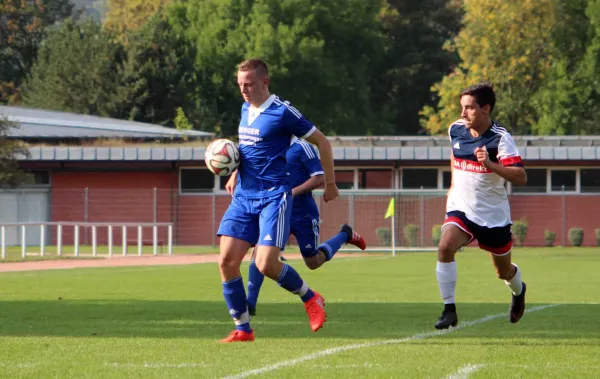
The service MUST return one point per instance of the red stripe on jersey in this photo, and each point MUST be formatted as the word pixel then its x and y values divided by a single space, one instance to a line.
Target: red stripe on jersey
pixel 510 161
pixel 497 250
pixel 471 166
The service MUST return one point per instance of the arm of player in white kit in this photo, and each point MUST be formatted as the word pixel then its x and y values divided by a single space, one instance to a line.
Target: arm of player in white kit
pixel 509 166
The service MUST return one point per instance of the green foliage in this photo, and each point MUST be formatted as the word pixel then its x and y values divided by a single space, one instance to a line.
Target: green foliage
pixel 570 101
pixel 576 236
pixel 77 71
pixel 23 28
pixel 597 232
pixel 10 149
pixel 319 55
pixel 508 43
pixel 127 16
pixel 384 235
pixel 411 232
pixel 436 234
pixel 158 76
pixel 181 121
pixel 519 229
pixel 549 238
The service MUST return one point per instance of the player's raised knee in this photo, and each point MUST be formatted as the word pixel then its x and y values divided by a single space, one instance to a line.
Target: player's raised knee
pixel 446 252
pixel 312 264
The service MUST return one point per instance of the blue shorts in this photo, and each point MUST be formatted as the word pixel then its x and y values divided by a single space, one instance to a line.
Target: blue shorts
pixel 263 221
pixel 306 231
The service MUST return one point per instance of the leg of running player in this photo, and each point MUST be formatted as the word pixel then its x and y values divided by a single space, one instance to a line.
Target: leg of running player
pixel 238 228
pixel 232 253
pixel 452 239
pixel 255 281
pixel 511 274
pixel 325 251
pixel 274 232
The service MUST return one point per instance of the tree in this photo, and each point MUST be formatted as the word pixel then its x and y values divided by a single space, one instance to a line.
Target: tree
pixel 127 16
pixel 158 75
pixel 416 31
pixel 10 150
pixel 569 103
pixel 77 71
pixel 22 28
pixel 318 54
pixel 508 43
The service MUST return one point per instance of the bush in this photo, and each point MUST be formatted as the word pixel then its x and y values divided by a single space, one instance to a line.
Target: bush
pixel 519 229
pixel 549 237
pixel 576 236
pixel 597 237
pixel 385 236
pixel 410 233
pixel 436 234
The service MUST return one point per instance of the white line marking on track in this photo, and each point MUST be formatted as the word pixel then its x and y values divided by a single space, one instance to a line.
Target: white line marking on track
pixel 465 371
pixel 340 349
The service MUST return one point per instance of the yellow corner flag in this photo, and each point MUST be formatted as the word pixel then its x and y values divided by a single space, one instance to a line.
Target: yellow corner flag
pixel 390 209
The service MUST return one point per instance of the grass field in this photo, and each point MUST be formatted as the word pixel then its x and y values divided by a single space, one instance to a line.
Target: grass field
pixel 162 322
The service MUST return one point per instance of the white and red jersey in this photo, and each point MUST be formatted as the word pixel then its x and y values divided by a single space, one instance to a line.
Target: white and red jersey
pixel 477 191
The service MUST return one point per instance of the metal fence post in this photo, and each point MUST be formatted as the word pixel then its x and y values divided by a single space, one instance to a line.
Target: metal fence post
pixel 564 217
pixel 85 212
pixel 155 205
pixel 351 209
pixel 422 216
pixel 214 219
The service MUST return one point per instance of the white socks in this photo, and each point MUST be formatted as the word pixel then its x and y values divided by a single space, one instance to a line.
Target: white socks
pixel 515 284
pixel 446 277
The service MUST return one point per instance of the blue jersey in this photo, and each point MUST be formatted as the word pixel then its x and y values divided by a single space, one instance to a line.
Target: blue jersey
pixel 265 134
pixel 303 163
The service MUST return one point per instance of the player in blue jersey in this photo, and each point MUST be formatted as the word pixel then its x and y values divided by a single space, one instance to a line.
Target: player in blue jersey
pixel 305 174
pixel 260 210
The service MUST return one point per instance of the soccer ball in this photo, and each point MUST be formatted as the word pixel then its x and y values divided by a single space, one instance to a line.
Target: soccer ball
pixel 222 157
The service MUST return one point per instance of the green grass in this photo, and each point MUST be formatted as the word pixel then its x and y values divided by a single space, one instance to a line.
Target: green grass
pixel 160 322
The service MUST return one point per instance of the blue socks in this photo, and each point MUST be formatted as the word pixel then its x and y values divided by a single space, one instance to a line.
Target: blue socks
pixel 291 281
pixel 235 297
pixel 332 245
pixel 255 281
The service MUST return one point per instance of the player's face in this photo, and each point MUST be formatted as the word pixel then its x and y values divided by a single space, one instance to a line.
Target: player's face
pixel 252 87
pixel 474 115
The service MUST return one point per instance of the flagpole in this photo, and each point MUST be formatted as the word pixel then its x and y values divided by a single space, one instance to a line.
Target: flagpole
pixel 394 234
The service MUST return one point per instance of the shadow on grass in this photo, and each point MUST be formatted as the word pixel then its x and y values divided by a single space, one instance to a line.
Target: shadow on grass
pixel 210 320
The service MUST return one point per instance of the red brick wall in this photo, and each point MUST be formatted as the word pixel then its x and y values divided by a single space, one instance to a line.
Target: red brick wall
pixel 128 197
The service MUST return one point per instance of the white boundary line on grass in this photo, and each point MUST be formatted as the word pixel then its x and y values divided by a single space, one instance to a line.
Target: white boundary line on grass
pixel 340 349
pixel 465 371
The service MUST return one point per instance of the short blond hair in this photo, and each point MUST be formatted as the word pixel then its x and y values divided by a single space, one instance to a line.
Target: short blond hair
pixel 255 64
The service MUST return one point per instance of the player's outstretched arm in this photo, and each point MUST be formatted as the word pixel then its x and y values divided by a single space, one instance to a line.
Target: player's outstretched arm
pixel 313 183
pixel 317 138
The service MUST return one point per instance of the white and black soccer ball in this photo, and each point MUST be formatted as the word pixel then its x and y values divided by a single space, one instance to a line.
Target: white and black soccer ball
pixel 222 157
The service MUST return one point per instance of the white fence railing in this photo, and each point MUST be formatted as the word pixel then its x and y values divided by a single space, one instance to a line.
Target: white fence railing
pixel 108 227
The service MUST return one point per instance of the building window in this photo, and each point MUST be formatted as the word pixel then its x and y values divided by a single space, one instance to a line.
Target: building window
pixel 537 181
pixel 590 180
pixel 417 178
pixel 446 179
pixel 375 178
pixel 37 177
pixel 196 180
pixel 563 179
pixel 344 179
